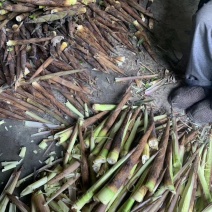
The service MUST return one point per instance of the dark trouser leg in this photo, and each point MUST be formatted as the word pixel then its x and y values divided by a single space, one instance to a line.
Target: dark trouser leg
pixel 199 69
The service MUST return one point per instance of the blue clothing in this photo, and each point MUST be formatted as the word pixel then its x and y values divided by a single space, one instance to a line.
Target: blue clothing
pixel 202 2
pixel 199 69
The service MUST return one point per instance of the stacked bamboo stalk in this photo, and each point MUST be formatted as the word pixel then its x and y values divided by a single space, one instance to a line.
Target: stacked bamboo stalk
pixel 103 167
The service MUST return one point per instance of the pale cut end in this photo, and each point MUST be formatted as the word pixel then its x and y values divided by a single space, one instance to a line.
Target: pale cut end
pixel 112 158
pixel 151 185
pixel 35 84
pixel 96 167
pixel 54 33
pixel 143 18
pixel 94 107
pixel 151 24
pixel 43 145
pixel 82 10
pixel 10 43
pixel 29 48
pixel 172 189
pixel 19 18
pixel 54 11
pixel 117 2
pixel 22 152
pixel 15 26
pixel 140 194
pixel 100 160
pixel 86 2
pixel 26 71
pixel 105 195
pixel 119 60
pixel 70 2
pixel 153 143
pixel 145 158
pixel 136 23
pixel 87 143
pixel 3 12
pixel 80 28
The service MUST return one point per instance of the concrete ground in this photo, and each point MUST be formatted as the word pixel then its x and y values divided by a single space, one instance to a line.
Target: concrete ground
pixel 172 31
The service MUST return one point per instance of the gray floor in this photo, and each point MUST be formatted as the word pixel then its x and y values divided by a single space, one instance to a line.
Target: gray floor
pixel 172 29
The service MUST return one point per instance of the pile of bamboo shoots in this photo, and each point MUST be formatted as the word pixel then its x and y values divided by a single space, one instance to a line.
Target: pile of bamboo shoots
pixel 32 33
pixel 124 158
pixel 44 47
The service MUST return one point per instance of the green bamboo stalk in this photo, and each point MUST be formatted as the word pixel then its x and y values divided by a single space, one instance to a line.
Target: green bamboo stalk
pixel 145 154
pixel 201 204
pixel 74 109
pixel 157 203
pixel 30 188
pixel 114 114
pixel 208 208
pixel 104 107
pixel 63 136
pixel 98 147
pixel 93 189
pixel 132 135
pixel 184 204
pixel 159 183
pixel 177 163
pixel 54 115
pixel 175 197
pixel 188 163
pixel 54 206
pixel 204 185
pixel 91 142
pixel 194 191
pixel 108 208
pixel 12 207
pixel 138 196
pixel 208 165
pixel 141 172
pixel 136 113
pixel 181 149
pixel 37 172
pixel 168 178
pixel 159 160
pixel 153 141
pixel 86 110
pixel 108 192
pixel 146 119
pixel 10 189
pixel 62 188
pixel 84 162
pixel 104 168
pixel 102 156
pixel 37 118
pixel 118 140
pixel 64 173
pixel 71 144
pixel 91 171
pixel 95 133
